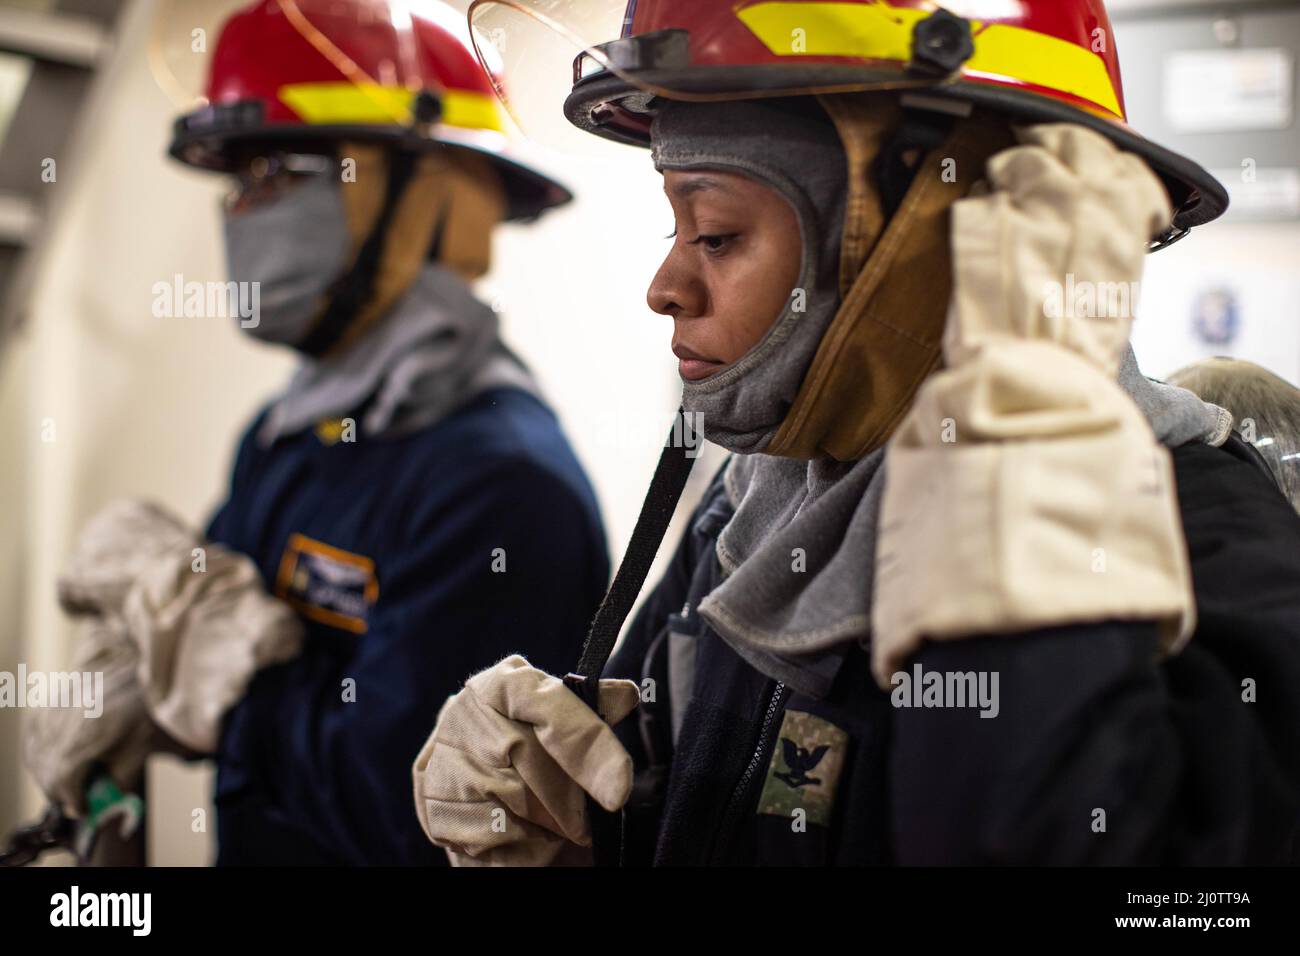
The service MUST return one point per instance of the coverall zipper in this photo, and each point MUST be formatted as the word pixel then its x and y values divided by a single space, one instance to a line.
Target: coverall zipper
pixel 736 804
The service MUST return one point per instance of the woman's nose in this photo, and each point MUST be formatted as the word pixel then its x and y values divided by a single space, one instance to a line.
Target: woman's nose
pixel 675 291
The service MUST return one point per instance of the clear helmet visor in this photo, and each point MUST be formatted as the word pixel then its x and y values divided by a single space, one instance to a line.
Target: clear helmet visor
pixel 529 51
pixel 301 75
pixel 376 46
pixel 182 39
pixel 567 69
pixel 544 53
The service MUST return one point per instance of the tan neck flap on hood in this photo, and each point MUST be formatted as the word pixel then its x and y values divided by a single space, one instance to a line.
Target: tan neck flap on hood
pixel 450 191
pixel 895 279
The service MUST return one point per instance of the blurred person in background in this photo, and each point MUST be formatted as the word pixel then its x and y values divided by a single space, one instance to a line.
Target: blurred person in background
pixel 971 589
pixel 1266 408
pixel 410 495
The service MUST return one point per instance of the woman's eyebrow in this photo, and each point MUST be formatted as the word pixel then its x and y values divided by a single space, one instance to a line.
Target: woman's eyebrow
pixel 684 188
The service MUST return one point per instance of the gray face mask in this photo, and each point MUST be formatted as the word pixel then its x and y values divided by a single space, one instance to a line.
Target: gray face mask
pixel 293 248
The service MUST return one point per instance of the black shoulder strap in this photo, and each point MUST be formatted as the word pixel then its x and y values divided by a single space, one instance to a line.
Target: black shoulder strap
pixel 666 488
pixel 675 463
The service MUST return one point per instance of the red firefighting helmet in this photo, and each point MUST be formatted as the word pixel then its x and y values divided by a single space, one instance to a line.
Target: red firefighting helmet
pixel 1039 61
pixel 301 75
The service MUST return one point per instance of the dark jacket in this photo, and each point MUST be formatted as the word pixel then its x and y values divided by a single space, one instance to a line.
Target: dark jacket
pixel 414 562
pixel 1100 754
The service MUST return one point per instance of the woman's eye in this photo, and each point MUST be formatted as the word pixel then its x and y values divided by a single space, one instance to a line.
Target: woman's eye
pixel 714 243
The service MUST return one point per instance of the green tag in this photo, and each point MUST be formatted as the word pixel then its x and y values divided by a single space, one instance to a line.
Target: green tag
pixel 805 768
pixel 106 801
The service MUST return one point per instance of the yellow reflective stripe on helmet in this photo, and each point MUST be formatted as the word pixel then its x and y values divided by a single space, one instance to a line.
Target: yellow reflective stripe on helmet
pixel 878 31
pixel 1045 61
pixel 874 31
pixel 343 102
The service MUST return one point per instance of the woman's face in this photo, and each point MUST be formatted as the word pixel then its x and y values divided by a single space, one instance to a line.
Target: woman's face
pixel 734 262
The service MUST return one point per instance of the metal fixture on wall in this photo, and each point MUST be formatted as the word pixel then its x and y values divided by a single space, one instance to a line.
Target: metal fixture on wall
pixel 1216 80
pixel 51 52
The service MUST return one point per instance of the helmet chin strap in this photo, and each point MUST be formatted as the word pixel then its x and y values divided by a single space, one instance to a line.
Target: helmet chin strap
pixel 898 162
pixel 354 289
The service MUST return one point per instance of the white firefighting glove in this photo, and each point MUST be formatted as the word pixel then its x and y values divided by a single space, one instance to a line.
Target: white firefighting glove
pixel 62 745
pixel 501 781
pixel 1025 488
pixel 177 626
pixel 201 636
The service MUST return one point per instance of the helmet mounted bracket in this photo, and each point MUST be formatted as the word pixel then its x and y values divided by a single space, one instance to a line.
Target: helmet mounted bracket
pixel 941 45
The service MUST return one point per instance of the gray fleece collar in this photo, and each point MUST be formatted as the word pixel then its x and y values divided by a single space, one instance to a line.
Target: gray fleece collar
pixel 797 627
pixel 436 349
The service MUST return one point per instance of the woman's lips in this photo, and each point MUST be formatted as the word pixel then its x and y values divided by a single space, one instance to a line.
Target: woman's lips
pixel 692 366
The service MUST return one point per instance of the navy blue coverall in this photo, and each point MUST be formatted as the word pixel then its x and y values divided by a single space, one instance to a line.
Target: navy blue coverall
pixel 414 562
